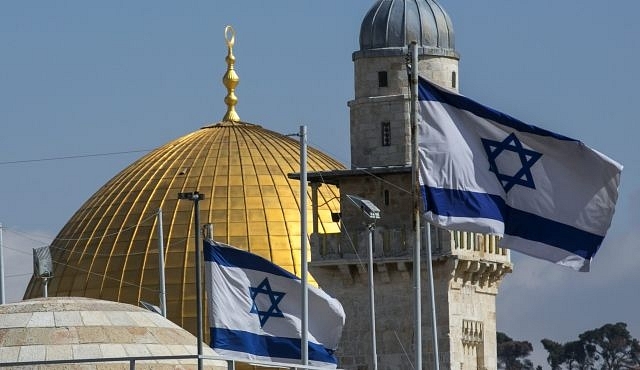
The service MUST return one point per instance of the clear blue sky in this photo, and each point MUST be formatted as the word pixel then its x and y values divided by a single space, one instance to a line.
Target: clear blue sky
pixel 80 77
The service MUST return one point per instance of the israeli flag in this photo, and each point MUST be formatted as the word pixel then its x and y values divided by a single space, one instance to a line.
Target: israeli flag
pixel 255 310
pixel 547 195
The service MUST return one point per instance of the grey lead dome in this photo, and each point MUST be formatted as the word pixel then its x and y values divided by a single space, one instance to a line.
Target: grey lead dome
pixel 395 23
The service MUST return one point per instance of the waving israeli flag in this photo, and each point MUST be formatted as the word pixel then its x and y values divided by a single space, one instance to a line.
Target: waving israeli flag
pixel 255 310
pixel 548 195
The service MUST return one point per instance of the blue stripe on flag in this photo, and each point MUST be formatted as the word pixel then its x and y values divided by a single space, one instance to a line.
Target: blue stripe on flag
pixel 267 346
pixel 460 203
pixel 533 227
pixel 430 92
pixel 232 257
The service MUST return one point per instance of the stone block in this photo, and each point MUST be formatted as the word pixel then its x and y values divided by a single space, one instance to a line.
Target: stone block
pixel 9 354
pixel 91 335
pixel 67 318
pixel 32 353
pixel 61 335
pixel 59 352
pixel 137 350
pixel 41 319
pixel 94 318
pixel 15 320
pixel 81 351
pixel 118 318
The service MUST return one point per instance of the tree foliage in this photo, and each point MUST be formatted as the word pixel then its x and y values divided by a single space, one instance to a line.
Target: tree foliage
pixel 512 354
pixel 610 347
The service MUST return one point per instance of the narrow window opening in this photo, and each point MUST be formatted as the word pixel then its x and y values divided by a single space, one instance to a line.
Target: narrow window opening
pixel 454 79
pixel 386 197
pixel 382 79
pixel 386 133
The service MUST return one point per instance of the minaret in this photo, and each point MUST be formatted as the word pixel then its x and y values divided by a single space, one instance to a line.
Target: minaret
pixel 467 267
pixel 380 122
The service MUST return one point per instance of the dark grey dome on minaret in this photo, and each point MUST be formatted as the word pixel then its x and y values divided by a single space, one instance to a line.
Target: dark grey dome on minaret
pixel 395 23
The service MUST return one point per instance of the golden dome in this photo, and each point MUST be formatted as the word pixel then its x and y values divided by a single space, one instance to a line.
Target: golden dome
pixel 109 247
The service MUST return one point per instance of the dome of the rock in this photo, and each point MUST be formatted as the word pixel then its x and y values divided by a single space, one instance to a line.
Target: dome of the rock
pixel 109 247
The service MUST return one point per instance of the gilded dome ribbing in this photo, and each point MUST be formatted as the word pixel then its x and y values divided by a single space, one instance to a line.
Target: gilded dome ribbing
pixel 109 247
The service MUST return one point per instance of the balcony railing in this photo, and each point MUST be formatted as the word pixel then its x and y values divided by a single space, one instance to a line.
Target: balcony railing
pixel 398 244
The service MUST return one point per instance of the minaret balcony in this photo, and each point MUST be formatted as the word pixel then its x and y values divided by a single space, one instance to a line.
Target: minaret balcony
pixel 396 245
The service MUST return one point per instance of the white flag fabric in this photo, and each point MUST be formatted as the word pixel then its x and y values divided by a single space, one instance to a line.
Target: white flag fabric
pixel 255 310
pixel 547 195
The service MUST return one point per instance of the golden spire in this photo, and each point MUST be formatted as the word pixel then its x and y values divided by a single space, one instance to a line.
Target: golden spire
pixel 230 78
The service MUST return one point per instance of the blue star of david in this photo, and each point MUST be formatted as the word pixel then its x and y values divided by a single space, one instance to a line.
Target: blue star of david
pixel 527 159
pixel 274 298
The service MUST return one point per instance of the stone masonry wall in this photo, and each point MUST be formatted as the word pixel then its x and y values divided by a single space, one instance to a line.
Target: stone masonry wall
pixel 374 105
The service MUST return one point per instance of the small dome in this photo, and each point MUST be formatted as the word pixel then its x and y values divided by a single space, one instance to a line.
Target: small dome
pixel 72 328
pixel 395 23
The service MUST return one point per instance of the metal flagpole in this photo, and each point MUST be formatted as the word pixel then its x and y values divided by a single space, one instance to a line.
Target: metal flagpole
pixel 434 326
pixel 303 244
pixel 2 296
pixel 163 294
pixel 372 303
pixel 196 211
pixel 417 214
pixel 373 214
pixel 416 208
pixel 196 198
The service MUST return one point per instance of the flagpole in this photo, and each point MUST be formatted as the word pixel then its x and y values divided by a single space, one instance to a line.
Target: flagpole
pixel 196 211
pixel 2 294
pixel 163 293
pixel 417 213
pixel 416 208
pixel 303 245
pixel 196 197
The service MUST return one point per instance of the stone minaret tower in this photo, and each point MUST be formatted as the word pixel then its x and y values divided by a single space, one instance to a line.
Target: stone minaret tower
pixel 467 268
pixel 380 122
